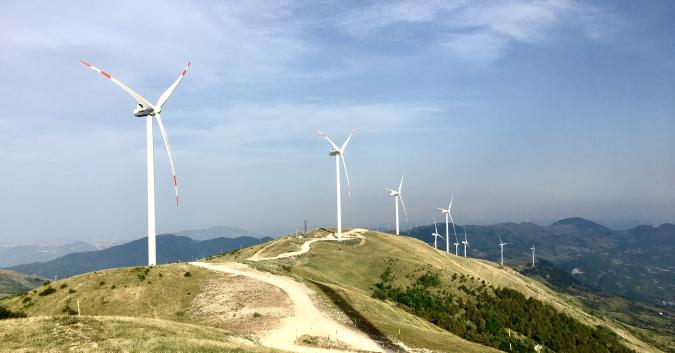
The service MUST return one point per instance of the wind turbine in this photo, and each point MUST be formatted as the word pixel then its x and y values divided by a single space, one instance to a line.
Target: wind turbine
pixel 532 248
pixel 436 235
pixel 397 196
pixel 501 246
pixel 338 152
pixel 149 111
pixel 465 242
pixel 448 217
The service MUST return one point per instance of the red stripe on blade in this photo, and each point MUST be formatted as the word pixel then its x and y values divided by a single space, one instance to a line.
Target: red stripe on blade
pixel 176 200
pixel 183 74
pixel 174 181
pixel 85 63
pixel 105 74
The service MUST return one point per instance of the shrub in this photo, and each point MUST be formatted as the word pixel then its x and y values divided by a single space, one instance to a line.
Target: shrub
pixel 71 291
pixel 102 283
pixel 68 310
pixel 63 286
pixel 187 274
pixel 8 314
pixel 257 315
pixel 27 299
pixel 141 277
pixel 113 286
pixel 47 291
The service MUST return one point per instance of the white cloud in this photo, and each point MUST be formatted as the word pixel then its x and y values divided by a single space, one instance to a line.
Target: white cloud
pixel 480 31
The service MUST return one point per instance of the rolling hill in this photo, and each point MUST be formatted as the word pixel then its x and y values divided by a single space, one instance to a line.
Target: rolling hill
pixel 635 263
pixel 170 248
pixel 12 282
pixel 397 291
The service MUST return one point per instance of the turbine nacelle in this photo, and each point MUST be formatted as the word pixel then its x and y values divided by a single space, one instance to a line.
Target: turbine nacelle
pixel 393 192
pixel 142 111
pixel 334 152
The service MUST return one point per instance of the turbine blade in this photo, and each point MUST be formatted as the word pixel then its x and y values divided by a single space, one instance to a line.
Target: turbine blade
pixel 465 234
pixel 400 185
pixel 452 197
pixel 329 140
pixel 453 225
pixel 142 101
pixel 435 226
pixel 500 239
pixel 349 185
pixel 165 96
pixel 400 197
pixel 165 137
pixel 344 145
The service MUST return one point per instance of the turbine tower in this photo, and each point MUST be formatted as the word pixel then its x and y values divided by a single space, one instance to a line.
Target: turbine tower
pixel 338 152
pixel 436 235
pixel 501 246
pixel 465 242
pixel 532 248
pixel 397 196
pixel 145 109
pixel 448 217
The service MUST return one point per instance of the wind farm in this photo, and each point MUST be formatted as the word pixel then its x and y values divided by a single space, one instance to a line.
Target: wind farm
pixel 521 124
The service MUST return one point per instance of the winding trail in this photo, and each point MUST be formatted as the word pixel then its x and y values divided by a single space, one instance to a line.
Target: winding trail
pixel 352 234
pixel 306 319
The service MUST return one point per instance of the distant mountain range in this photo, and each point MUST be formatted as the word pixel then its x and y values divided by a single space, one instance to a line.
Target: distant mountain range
pixel 15 255
pixel 216 232
pixel 170 248
pixel 637 263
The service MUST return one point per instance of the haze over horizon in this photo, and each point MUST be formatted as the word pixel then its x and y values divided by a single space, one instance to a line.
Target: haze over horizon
pixel 525 110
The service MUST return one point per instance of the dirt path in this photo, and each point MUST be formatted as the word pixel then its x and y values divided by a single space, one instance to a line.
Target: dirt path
pixel 307 319
pixel 352 234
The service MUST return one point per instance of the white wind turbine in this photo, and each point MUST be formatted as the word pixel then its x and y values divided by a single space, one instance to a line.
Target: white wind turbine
pixel 465 242
pixel 436 235
pixel 448 217
pixel 338 152
pixel 501 246
pixel 397 196
pixel 532 248
pixel 145 109
pixel 456 244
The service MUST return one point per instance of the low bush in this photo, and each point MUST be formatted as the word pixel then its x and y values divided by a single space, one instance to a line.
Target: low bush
pixel 47 291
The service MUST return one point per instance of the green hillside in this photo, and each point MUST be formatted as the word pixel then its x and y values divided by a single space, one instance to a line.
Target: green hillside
pixel 349 271
pixel 397 290
pixel 12 282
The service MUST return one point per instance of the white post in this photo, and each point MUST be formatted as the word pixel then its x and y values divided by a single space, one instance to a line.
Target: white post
pixel 152 252
pixel 447 233
pixel 339 207
pixel 502 252
pixel 533 256
pixel 396 202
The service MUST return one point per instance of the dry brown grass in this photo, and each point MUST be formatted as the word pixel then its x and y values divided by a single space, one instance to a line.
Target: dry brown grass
pixel 116 334
pixel 158 292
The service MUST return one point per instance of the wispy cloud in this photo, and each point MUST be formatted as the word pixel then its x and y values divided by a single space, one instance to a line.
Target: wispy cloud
pixel 479 31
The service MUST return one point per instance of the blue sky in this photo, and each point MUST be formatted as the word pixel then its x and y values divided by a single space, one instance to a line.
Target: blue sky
pixel 525 110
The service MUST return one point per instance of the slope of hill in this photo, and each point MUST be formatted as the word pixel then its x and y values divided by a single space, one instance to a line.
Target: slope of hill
pixel 15 255
pixel 654 324
pixel 170 248
pixel 635 263
pixel 387 287
pixel 12 282
pixel 347 274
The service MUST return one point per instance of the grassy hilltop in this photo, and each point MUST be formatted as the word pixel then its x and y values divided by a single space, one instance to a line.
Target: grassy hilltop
pixel 396 289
